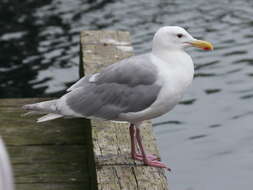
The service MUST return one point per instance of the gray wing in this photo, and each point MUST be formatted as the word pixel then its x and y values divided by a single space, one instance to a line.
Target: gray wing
pixel 127 86
pixel 79 83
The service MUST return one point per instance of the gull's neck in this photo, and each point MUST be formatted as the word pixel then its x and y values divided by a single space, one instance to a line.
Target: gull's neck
pixel 174 65
pixel 167 54
pixel 173 59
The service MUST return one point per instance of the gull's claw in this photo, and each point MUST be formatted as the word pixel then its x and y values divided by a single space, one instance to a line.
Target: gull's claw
pixel 138 156
pixel 155 163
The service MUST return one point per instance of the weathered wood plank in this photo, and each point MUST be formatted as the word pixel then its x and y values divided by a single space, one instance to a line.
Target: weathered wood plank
pixel 51 155
pixel 115 169
pixel 19 130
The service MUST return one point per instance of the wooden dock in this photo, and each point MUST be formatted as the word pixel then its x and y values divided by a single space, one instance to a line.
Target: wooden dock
pixel 79 154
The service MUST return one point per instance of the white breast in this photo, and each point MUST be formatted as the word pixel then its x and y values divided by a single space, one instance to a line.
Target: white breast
pixel 175 74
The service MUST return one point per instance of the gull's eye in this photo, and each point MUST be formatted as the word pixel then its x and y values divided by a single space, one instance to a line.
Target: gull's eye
pixel 179 35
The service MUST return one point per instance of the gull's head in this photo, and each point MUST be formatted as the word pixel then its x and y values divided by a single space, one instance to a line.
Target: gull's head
pixel 177 38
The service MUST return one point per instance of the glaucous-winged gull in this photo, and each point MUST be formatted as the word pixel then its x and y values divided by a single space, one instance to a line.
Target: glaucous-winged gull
pixel 135 89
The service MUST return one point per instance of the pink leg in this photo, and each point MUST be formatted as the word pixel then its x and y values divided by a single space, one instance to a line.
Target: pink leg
pixel 135 155
pixel 147 161
pixel 133 141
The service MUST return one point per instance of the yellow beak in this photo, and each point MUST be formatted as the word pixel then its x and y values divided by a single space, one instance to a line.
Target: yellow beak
pixel 202 44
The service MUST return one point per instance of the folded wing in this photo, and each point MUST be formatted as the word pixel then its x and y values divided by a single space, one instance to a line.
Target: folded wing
pixel 127 86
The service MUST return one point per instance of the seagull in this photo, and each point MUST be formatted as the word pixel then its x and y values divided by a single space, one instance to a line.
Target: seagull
pixel 134 89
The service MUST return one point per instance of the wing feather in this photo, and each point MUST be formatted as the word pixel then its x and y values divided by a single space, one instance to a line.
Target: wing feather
pixel 127 86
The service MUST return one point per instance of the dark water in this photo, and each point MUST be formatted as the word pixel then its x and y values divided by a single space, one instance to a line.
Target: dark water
pixel 208 139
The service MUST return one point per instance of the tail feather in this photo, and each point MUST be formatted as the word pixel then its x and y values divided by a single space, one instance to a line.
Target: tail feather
pixel 47 106
pixel 32 113
pixel 48 117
